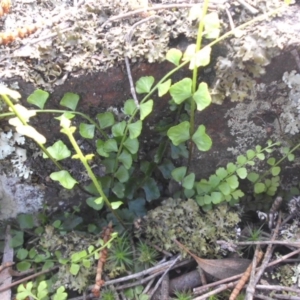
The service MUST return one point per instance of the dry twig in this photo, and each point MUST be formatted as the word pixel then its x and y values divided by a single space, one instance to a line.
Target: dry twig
pixel 263 297
pixel 27 278
pixel 278 288
pixel 251 288
pixel 247 6
pixel 155 271
pixel 128 41
pixel 283 243
pixel 218 290
pixel 230 19
pixel 164 274
pixel 287 297
pixel 144 280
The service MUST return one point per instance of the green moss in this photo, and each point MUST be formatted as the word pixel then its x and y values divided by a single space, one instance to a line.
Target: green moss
pixel 184 221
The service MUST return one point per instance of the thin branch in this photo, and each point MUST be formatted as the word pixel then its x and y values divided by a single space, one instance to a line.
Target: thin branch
pixel 263 297
pixel 27 278
pixel 252 276
pixel 128 41
pixel 158 269
pixel 251 289
pixel 247 6
pixel 218 290
pixel 224 287
pixel 288 243
pixel 230 19
pixel 147 288
pixel 287 297
pixel 138 282
pixel 132 28
pixel 164 274
pixel 278 288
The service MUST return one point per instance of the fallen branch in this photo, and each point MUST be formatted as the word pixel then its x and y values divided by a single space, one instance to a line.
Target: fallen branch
pixel 155 271
pixel 202 289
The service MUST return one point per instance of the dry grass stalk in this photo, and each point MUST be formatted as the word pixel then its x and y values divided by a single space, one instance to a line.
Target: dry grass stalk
pixel 99 282
pixel 243 280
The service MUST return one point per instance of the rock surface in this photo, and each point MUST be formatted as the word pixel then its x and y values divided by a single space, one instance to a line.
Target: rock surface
pixel 248 68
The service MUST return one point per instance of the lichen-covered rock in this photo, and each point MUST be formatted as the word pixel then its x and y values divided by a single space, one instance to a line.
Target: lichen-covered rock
pixel 251 50
pixel 82 39
pixel 184 221
pixel 91 37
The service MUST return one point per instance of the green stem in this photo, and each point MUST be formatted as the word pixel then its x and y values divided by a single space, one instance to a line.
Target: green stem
pixel 194 82
pixel 24 122
pixel 195 70
pixel 95 250
pixel 284 157
pixel 277 163
pixel 101 248
pixel 12 107
pixel 34 297
pixel 9 114
pixel 80 114
pixel 83 159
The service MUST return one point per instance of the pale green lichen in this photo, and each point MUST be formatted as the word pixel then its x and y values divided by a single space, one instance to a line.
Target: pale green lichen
pixel 184 221
pixel 52 240
pixel 284 275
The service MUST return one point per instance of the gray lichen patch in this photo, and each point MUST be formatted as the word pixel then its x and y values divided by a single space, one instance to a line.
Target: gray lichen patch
pixel 251 50
pixel 79 40
pixel 13 154
pixel 272 113
pixel 17 197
